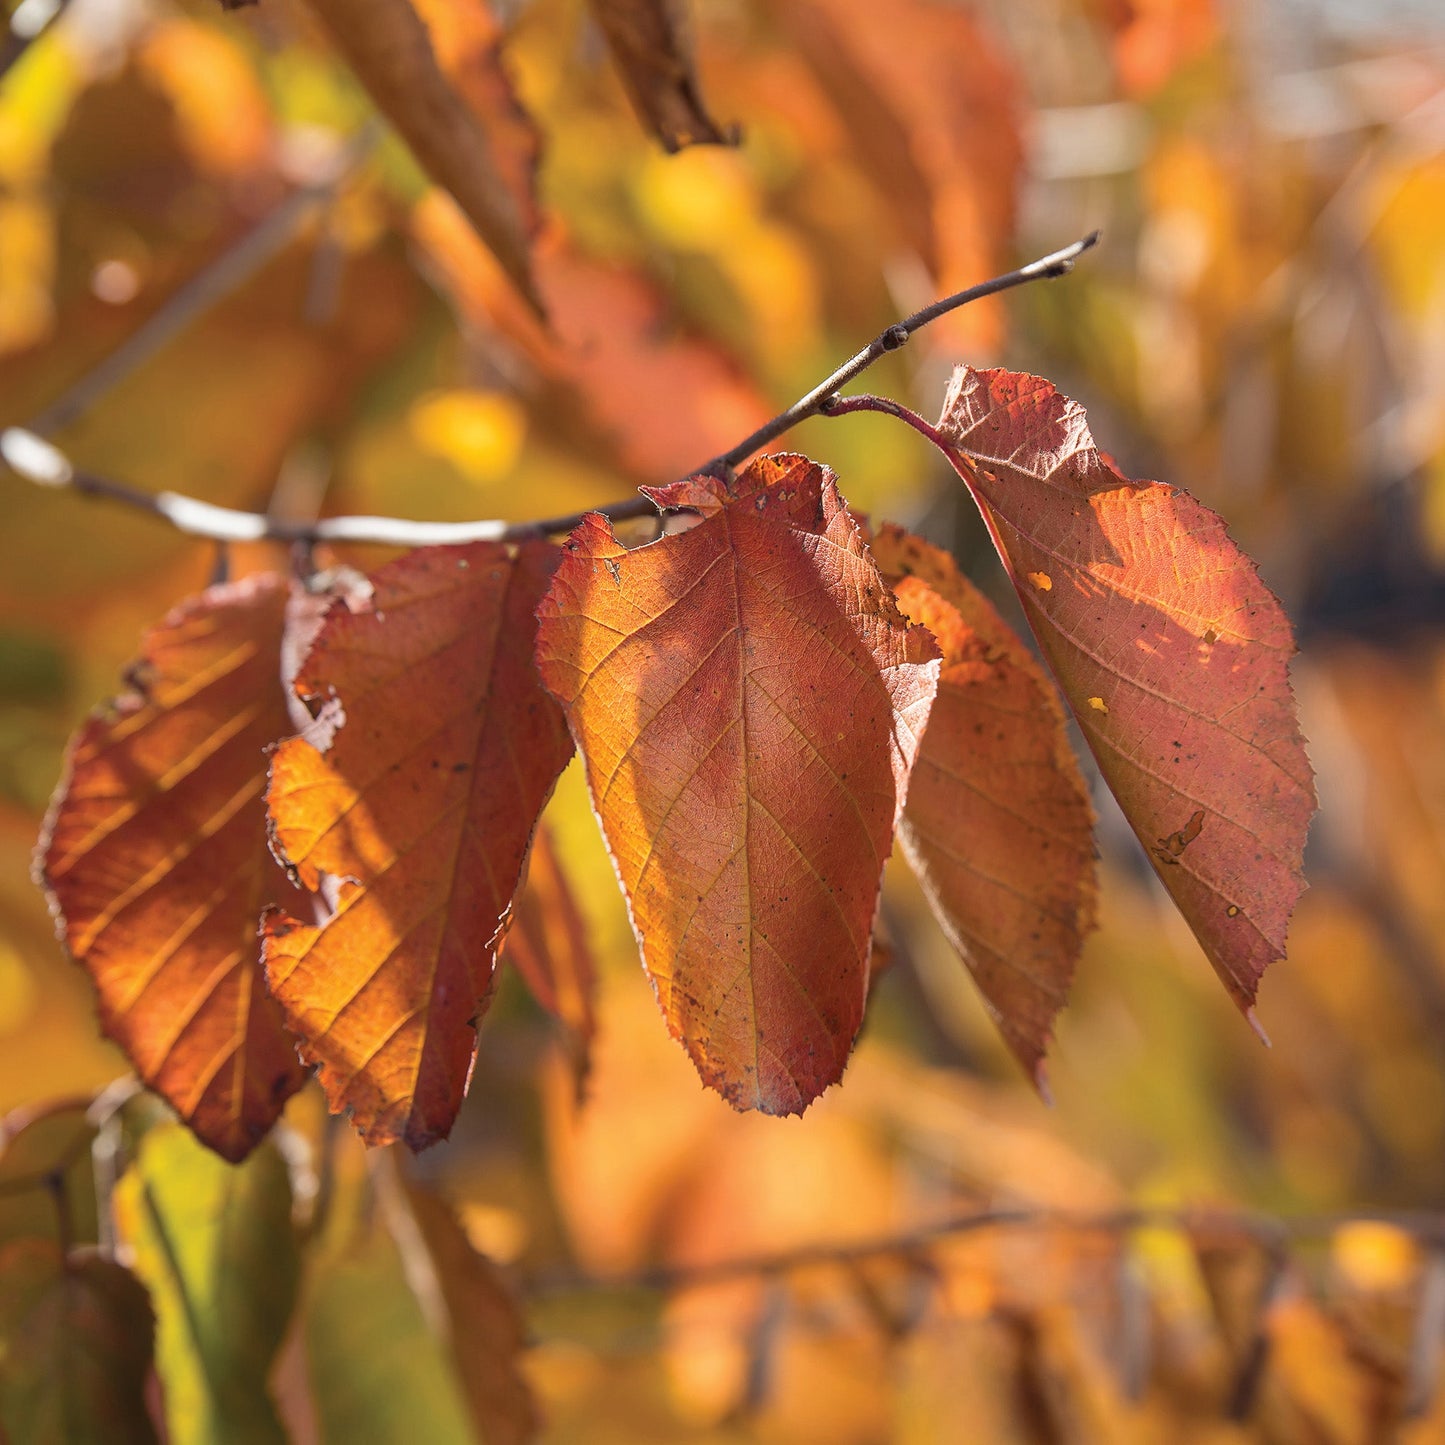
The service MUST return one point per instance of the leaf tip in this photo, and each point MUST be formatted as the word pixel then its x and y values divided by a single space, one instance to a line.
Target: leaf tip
pixel 1252 1018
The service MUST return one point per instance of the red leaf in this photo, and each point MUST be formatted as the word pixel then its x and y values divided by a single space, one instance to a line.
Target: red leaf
pixel 998 825
pixel 748 703
pixel 155 858
pixel 423 808
pixel 1172 652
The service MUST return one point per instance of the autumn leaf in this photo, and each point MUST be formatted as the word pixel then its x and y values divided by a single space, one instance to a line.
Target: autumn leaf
pixel 487 1333
pixel 75 1347
pixel 1171 651
pixel 748 702
pixel 378 1372
pixel 654 58
pixel 422 810
pixel 547 944
pixel 998 825
pixel 155 858
pixel 389 47
pixel 216 1246
pixel 963 143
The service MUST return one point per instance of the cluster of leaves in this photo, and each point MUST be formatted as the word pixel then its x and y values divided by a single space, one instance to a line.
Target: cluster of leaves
pixel 248 1294
pixel 412 755
pixel 751 697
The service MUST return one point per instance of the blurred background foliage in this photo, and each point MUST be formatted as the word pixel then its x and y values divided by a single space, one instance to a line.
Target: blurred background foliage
pixel 1264 324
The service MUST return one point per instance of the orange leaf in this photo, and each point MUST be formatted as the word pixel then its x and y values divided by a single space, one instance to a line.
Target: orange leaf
pixel 998 825
pixel 1172 652
pixel 423 808
pixel 155 858
pixel 548 946
pixel 748 701
pixel 962 143
pixel 663 396
pixel 653 57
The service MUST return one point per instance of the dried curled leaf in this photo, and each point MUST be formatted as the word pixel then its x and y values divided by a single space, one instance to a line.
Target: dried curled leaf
pixel 1171 651
pixel 654 57
pixel 998 825
pixel 423 809
pixel 155 858
pixel 748 702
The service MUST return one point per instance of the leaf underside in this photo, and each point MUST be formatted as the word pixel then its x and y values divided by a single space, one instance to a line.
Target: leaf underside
pixel 748 702
pixel 1173 654
pixel 155 858
pixel 423 810
pixel 998 825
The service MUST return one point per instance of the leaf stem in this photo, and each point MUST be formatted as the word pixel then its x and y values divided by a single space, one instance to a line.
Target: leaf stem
pixel 842 405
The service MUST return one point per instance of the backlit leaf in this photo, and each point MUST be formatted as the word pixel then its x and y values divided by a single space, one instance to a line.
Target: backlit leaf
pixel 1172 652
pixel 75 1346
pixel 424 806
pixel 748 701
pixel 156 861
pixel 648 41
pixel 214 1243
pixel 998 826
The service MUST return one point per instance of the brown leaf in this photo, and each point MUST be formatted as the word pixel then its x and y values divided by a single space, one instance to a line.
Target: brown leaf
pixel 998 825
pixel 155 858
pixel 422 811
pixel 748 703
pixel 389 47
pixel 487 1332
pixel 1171 651
pixel 653 54
pixel 76 1337
pixel 547 944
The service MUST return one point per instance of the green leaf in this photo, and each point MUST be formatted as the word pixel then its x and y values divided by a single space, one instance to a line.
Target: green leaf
pixel 75 1346
pixel 379 1374
pixel 215 1244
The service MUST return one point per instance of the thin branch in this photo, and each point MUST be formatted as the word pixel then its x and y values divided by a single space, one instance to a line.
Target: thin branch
pixel 1059 263
pixel 37 460
pixel 26 452
pixel 1270 1232
pixel 29 21
pixel 232 269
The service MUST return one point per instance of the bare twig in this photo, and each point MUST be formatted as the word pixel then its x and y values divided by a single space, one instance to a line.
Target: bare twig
pixel 1059 263
pixel 1270 1232
pixel 26 452
pixel 224 275
pixel 29 21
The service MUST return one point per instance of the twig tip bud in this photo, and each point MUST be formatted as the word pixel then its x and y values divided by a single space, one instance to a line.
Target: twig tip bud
pixel 34 458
